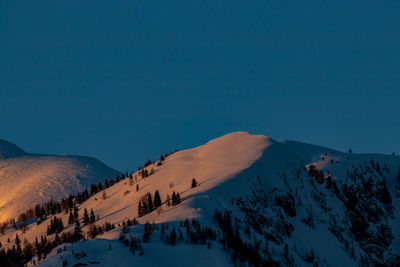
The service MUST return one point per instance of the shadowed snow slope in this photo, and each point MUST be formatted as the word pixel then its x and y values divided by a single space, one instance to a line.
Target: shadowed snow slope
pixel 309 153
pixel 28 179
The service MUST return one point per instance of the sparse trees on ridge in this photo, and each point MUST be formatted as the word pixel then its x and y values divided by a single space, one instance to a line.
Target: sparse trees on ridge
pixel 56 226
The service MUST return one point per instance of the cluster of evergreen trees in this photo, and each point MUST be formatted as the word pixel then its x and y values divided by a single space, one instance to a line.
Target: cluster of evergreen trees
pixel 149 162
pixel 196 234
pixel 56 226
pixel 55 207
pixel 73 215
pixel 95 230
pixel 241 251
pixel 361 200
pixel 18 256
pixel 130 222
pixel 176 198
pixel 88 220
pixel 144 173
pixel 367 201
pixel 133 243
pixel 147 205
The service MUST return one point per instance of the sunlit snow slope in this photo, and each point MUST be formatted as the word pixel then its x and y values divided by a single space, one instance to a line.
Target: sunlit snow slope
pixel 27 179
pixel 221 167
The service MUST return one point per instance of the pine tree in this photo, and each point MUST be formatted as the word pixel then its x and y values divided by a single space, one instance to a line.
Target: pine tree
pixel 70 218
pixel 99 187
pixel 335 188
pixel 328 182
pixel 38 249
pixel 145 208
pixel 140 209
pixel 19 250
pixel 174 198
pixel 383 193
pixel 172 237
pixel 92 217
pixel 77 235
pixel 93 231
pixel 27 251
pixel 86 217
pixel 150 203
pixel 57 239
pixel 168 200
pixel 76 214
pixel 194 183
pixel 157 200
pixel 148 229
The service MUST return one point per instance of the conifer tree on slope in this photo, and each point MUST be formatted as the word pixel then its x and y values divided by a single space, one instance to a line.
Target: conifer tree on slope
pixel 150 204
pixel 157 200
pixel 194 183
pixel 85 217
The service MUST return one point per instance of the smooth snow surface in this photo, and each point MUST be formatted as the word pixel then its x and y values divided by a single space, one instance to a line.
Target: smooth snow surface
pixel 28 179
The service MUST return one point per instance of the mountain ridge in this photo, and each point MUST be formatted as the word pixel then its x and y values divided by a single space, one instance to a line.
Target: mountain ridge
pixel 304 205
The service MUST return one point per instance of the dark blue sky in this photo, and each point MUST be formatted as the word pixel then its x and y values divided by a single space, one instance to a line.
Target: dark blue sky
pixel 127 80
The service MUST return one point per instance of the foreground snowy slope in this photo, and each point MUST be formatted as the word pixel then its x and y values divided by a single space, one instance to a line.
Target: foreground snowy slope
pixel 278 204
pixel 27 179
pixel 110 252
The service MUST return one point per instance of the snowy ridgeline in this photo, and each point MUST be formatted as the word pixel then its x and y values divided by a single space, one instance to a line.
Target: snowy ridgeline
pixel 239 199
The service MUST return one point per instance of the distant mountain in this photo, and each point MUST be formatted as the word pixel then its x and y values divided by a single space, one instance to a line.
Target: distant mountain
pixel 9 150
pixel 239 200
pixel 27 179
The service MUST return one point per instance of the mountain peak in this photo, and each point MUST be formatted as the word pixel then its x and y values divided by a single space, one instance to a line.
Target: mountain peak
pixel 10 150
pixel 240 137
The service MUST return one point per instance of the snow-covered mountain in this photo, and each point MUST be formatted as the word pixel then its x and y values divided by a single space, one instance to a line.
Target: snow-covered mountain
pixel 10 150
pixel 27 179
pixel 250 200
